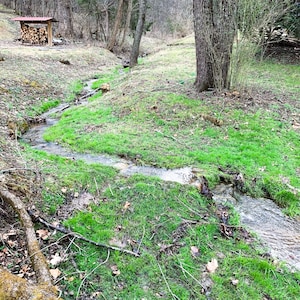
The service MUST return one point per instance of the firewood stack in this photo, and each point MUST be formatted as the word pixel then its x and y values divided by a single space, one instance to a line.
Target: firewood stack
pixel 34 35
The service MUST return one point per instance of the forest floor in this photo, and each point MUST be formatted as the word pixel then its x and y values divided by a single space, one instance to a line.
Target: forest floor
pixel 155 99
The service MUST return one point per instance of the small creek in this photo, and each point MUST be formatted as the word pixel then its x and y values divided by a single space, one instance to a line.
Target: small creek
pixel 279 233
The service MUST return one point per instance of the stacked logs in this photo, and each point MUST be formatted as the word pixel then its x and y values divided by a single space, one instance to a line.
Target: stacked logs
pixel 34 35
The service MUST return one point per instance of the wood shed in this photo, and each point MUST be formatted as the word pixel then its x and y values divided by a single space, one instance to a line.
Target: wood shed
pixel 36 30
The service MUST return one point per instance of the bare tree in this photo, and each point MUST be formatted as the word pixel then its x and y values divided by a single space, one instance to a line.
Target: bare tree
pixel 127 23
pixel 138 33
pixel 116 28
pixel 69 17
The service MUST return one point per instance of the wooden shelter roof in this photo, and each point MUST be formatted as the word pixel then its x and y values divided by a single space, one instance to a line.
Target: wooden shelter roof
pixel 34 19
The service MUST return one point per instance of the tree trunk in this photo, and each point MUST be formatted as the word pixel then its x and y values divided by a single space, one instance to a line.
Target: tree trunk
pixel 128 19
pixel 116 28
pixel 214 35
pixel 69 17
pixel 138 33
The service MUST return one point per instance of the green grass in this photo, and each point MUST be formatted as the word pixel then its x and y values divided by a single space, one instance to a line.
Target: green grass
pixel 40 109
pixel 74 90
pixel 148 117
pixel 277 77
pixel 156 218
pixel 167 130
pixel 65 177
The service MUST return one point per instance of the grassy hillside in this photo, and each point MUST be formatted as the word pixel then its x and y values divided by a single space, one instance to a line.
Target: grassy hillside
pixel 151 116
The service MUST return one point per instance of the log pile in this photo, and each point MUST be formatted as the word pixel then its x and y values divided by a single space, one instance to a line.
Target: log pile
pixel 34 35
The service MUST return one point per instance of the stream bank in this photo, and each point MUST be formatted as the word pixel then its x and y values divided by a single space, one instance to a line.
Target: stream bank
pixel 277 232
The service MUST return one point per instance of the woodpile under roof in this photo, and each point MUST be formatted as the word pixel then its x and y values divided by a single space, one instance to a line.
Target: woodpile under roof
pixel 33 31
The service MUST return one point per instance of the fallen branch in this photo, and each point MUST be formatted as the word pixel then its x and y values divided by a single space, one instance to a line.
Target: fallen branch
pixel 62 229
pixel 93 92
pixel 167 136
pixel 20 288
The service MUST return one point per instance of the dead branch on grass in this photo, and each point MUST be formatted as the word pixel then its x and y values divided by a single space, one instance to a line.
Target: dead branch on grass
pixel 62 229
pixel 93 92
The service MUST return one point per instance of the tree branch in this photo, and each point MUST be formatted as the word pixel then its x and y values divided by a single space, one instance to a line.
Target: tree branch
pixel 62 229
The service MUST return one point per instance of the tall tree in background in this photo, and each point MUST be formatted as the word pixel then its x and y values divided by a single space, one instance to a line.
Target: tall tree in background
pixel 69 18
pixel 114 34
pixel 138 33
pixel 127 23
pixel 214 24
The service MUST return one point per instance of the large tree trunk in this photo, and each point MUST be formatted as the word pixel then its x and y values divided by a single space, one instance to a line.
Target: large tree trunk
pixel 214 35
pixel 138 33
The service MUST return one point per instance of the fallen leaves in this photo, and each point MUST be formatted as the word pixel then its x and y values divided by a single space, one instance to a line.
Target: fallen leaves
pixel 43 234
pixel 194 251
pixel 126 206
pixel 55 273
pixel 201 184
pixel 115 271
pixel 212 266
pixel 56 259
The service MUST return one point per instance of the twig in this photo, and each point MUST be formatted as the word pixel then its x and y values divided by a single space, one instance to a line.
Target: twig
pixel 88 94
pixel 87 275
pixel 185 271
pixel 70 244
pixel 46 247
pixel 166 282
pixel 167 136
pixel 189 208
pixel 77 235
pixel 97 189
pixel 140 243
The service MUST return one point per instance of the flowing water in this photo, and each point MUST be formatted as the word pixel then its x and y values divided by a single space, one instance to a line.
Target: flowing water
pixel 279 233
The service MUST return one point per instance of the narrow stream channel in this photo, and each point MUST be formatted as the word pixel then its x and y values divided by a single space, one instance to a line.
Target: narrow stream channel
pixel 279 233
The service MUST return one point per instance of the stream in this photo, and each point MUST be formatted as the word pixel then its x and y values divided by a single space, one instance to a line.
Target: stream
pixel 277 232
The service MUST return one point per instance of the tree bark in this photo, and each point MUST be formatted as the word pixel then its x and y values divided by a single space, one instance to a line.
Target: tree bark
pixel 138 33
pixel 113 37
pixel 214 35
pixel 69 17
pixel 13 287
pixel 128 19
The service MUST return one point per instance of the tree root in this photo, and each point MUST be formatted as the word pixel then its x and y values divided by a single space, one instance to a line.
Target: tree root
pixel 13 287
